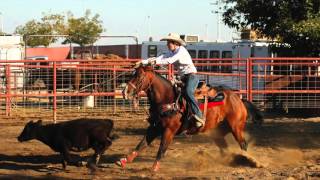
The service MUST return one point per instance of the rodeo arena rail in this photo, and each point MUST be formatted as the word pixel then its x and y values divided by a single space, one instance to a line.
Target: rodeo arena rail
pixel 64 87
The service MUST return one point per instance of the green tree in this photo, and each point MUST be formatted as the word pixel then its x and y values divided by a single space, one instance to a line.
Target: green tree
pixel 292 22
pixel 84 30
pixel 55 21
pixel 34 27
pixel 49 24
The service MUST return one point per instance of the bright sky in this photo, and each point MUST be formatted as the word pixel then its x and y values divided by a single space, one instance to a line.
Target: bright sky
pixel 127 17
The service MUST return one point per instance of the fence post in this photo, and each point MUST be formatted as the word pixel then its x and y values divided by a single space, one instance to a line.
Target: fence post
pixel 249 79
pixel 8 90
pixel 170 72
pixel 114 89
pixel 54 92
pixel 239 75
pixel 96 88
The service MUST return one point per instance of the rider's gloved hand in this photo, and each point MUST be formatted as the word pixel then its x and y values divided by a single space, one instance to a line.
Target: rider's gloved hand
pixel 150 61
pixel 137 64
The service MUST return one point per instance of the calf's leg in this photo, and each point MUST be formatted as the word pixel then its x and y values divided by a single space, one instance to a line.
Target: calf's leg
pixel 65 158
pixel 99 147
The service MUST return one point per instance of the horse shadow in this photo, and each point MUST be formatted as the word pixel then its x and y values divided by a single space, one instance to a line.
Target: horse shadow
pixel 275 133
pixel 132 131
pixel 287 134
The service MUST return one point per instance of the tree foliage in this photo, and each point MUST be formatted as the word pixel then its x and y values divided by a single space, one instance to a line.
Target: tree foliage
pixel 83 30
pixel 34 27
pixel 292 22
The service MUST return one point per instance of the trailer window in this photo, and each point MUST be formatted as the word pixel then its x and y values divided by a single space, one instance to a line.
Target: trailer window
pixel 152 51
pixel 226 68
pixel 226 54
pixel 214 55
pixel 203 54
pixel 193 53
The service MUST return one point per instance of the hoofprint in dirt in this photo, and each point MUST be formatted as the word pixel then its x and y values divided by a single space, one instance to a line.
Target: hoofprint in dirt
pixel 287 148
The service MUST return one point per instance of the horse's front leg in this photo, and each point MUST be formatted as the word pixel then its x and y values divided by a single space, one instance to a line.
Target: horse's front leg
pixel 152 133
pixel 166 139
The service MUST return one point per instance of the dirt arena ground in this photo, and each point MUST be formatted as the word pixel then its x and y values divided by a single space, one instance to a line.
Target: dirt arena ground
pixel 288 148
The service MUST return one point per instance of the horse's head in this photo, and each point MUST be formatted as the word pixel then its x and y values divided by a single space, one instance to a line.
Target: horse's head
pixel 141 81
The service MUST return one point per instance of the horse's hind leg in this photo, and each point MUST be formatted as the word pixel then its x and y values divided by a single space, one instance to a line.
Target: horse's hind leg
pixel 219 134
pixel 237 128
pixel 166 140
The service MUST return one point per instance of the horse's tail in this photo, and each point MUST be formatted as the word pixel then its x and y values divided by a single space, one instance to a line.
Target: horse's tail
pixel 254 114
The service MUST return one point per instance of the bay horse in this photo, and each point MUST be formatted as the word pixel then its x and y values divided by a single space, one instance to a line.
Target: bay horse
pixel 162 97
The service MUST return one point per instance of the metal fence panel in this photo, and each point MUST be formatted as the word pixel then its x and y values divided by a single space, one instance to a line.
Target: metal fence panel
pixel 56 87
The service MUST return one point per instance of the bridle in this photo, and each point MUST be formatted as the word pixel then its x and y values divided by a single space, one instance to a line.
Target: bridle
pixel 138 87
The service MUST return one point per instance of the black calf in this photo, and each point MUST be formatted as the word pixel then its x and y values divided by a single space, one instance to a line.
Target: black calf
pixel 76 135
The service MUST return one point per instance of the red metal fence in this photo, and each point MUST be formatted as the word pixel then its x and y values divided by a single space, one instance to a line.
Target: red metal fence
pixel 82 86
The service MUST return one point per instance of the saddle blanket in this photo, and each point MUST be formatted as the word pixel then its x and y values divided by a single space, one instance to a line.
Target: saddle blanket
pixel 210 104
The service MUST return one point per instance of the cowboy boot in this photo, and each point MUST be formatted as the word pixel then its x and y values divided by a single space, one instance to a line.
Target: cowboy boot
pixel 199 121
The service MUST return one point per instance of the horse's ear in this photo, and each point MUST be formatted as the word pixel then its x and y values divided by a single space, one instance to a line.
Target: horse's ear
pixel 148 68
pixel 140 69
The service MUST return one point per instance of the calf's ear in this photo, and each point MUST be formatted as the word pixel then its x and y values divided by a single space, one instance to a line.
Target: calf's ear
pixel 39 122
pixel 30 122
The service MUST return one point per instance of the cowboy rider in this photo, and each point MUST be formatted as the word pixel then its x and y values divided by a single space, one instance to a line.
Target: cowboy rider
pixel 179 55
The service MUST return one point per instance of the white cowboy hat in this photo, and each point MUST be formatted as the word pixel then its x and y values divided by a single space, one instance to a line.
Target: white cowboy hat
pixel 174 37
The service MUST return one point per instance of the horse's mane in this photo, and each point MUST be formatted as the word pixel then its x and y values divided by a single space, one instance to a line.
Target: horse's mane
pixel 162 78
pixel 166 81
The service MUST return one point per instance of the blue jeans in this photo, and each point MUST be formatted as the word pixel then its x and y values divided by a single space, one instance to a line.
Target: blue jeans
pixel 191 83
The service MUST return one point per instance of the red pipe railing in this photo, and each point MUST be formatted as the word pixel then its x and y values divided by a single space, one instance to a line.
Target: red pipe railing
pixel 248 69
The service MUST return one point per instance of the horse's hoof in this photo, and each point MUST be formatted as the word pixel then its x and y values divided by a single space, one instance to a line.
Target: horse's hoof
pixel 122 162
pixel 156 166
pixel 131 157
pixel 244 146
